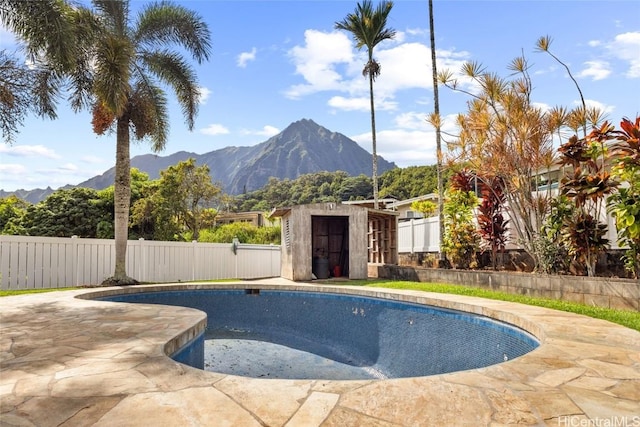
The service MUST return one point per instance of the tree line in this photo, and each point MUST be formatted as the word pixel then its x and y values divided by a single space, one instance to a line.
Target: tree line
pixel 397 183
pixel 183 203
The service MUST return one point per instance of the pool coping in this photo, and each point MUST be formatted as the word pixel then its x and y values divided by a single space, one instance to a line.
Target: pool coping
pixel 105 363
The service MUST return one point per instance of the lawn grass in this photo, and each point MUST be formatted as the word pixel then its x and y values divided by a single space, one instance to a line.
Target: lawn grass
pixel 628 318
pixel 8 293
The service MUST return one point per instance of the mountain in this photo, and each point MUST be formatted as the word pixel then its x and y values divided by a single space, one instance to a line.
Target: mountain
pixel 303 147
pixel 31 196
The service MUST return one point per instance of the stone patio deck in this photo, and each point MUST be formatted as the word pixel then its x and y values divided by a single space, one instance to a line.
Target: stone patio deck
pixel 66 361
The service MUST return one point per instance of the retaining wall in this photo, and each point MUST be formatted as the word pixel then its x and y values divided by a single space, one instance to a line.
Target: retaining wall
pixel 598 291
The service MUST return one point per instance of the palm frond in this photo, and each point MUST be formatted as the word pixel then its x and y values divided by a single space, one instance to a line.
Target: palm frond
pixel 472 69
pixel 46 27
pixel 162 23
pixel 113 60
pixel 368 26
pixel 543 43
pixel 149 113
pixel 46 92
pixel 114 15
pixel 24 89
pixel 173 70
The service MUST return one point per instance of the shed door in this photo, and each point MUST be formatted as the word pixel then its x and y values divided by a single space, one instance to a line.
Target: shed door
pixel 330 240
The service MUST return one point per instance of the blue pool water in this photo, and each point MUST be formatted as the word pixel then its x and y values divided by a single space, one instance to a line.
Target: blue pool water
pixel 292 334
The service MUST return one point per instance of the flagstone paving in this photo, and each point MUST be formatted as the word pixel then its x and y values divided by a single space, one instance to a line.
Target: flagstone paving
pixel 66 361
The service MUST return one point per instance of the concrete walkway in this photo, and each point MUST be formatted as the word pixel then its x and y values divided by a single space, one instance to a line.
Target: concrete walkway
pixel 66 361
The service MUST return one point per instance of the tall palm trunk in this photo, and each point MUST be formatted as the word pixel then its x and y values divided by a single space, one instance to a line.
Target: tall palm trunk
pixel 368 27
pixel 122 200
pixel 373 143
pixel 436 110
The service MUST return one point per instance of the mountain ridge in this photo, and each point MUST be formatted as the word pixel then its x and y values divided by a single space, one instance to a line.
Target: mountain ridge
pixel 302 147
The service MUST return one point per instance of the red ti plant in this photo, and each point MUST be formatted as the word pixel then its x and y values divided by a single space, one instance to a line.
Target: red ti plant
pixel 464 180
pixel 492 225
pixel 587 185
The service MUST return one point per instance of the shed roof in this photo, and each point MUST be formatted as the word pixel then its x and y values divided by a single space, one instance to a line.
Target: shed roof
pixel 281 212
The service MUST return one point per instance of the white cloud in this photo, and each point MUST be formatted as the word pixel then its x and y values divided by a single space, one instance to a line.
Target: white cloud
pixel 413 142
pixel 403 147
pixel 11 170
pixel 413 120
pixel 597 70
pixel 267 131
pixel 548 70
pixel 541 105
pixel 17 176
pixel 68 167
pixel 245 57
pixel 215 129
pixel 360 104
pixel 417 31
pixel 399 38
pixel 626 47
pixel 28 151
pixel 405 66
pixel 92 159
pixel 607 109
pixel 316 62
pixel 204 94
pixel 330 62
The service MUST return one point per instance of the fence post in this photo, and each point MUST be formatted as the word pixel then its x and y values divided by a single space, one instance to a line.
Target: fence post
pixel 76 262
pixel 234 248
pixel 142 262
pixel 413 237
pixel 193 259
pixel 271 263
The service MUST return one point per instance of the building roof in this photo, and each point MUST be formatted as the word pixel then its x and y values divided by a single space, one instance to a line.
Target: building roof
pixel 280 212
pixel 399 203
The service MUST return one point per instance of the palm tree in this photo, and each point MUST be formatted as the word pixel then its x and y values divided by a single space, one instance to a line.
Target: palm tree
pixel 48 35
pixel 129 62
pixel 368 28
pixel 436 119
pixel 46 28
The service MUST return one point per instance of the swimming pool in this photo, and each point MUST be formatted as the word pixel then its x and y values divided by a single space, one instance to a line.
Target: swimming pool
pixel 304 335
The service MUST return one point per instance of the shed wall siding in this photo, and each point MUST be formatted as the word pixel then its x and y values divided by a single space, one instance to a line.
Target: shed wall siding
pixel 297 258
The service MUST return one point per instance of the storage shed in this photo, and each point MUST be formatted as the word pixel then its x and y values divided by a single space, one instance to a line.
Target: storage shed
pixel 325 240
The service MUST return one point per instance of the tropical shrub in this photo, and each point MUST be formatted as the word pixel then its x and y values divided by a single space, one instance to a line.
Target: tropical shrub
pixel 245 232
pixel 587 185
pixel 551 248
pixel 12 209
pixel 624 204
pixel 65 213
pixel 425 207
pixel 492 225
pixel 460 241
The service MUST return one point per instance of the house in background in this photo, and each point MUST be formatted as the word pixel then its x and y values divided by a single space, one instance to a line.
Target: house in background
pixel 256 218
pixel 382 203
pixel 403 207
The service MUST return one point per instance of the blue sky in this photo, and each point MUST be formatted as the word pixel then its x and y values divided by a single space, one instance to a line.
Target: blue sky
pixel 276 62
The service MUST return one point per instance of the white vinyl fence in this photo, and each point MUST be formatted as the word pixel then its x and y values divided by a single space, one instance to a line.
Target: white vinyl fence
pixel 419 235
pixel 52 262
pixel 422 235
